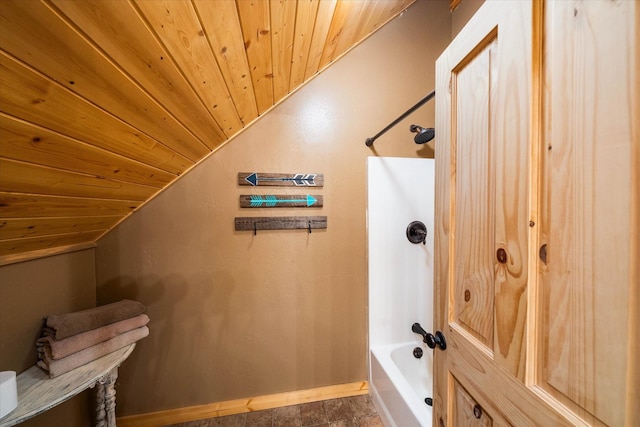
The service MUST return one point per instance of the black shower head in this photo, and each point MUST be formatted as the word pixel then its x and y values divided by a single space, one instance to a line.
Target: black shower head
pixel 424 135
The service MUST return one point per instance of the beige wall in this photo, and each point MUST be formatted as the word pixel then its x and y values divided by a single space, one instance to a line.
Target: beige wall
pixel 235 315
pixel 461 15
pixel 31 290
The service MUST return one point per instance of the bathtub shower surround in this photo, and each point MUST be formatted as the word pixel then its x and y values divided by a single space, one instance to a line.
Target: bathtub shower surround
pixel 400 192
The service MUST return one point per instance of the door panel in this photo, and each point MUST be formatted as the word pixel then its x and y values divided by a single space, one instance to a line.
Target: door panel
pixel 473 287
pixel 467 412
pixel 586 211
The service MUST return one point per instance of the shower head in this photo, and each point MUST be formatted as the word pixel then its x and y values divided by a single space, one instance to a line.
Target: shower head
pixel 423 135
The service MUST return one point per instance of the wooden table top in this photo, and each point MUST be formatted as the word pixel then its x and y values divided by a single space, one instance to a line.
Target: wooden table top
pixel 38 393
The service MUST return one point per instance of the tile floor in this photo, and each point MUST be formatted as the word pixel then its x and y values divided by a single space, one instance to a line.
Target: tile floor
pixel 356 411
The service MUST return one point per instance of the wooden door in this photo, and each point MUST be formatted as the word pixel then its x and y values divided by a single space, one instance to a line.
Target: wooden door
pixel 536 280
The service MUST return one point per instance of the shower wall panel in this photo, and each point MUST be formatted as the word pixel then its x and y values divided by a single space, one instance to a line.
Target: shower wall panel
pixel 400 190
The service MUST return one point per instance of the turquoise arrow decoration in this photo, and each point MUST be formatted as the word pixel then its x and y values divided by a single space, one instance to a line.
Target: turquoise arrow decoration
pixel 281 200
pixel 271 201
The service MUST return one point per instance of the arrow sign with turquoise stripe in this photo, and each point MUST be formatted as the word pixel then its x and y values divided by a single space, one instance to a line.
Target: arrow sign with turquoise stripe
pixel 281 179
pixel 280 201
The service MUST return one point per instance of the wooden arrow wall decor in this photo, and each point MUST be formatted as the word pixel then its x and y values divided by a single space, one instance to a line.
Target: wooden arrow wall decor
pixel 281 179
pixel 301 180
pixel 281 201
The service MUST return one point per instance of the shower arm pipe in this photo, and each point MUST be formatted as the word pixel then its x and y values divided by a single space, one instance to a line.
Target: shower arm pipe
pixel 369 141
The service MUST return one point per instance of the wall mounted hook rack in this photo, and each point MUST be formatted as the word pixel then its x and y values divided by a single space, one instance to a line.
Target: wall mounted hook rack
pixel 280 223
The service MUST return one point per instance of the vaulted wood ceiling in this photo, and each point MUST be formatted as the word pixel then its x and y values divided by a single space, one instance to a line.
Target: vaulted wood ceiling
pixel 103 103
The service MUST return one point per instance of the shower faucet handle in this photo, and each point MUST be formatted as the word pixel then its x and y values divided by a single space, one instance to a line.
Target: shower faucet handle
pixel 417 232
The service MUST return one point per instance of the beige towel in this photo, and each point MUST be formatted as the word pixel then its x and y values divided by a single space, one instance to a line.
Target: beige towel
pixel 65 325
pixel 57 349
pixel 66 364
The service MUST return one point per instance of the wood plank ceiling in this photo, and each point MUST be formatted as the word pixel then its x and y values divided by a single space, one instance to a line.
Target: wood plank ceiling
pixel 103 103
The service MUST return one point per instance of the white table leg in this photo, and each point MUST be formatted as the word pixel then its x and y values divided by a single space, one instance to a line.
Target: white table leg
pixel 106 400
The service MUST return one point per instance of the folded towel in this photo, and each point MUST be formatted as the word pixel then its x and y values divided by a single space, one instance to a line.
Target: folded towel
pixel 66 364
pixel 64 325
pixel 52 349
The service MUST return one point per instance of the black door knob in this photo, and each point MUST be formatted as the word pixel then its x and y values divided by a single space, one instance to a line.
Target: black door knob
pixel 436 340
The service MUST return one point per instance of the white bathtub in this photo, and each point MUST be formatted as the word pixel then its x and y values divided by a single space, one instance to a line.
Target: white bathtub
pixel 399 384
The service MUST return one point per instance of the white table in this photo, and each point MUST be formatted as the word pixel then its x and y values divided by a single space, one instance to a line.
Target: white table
pixel 38 393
